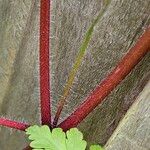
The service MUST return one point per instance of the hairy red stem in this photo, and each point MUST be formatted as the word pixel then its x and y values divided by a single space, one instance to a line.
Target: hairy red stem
pixel 27 148
pixel 124 67
pixel 44 62
pixel 13 124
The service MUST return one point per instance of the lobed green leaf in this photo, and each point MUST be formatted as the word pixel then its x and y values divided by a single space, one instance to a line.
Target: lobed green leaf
pixel 42 138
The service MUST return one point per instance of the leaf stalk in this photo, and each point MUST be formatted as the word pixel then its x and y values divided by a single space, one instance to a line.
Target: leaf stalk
pixel 124 67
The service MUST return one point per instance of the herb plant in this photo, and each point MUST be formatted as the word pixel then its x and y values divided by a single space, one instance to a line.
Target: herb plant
pixel 43 138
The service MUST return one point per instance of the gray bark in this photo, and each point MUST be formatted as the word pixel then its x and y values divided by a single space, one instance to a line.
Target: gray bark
pixel 19 61
pixel 133 132
pixel 115 33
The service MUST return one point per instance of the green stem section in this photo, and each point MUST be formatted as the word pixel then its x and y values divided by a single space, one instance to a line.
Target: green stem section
pixel 77 63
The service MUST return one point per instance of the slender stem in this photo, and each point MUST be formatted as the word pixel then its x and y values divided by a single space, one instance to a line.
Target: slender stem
pixel 44 62
pixel 13 124
pixel 77 64
pixel 128 62
pixel 27 148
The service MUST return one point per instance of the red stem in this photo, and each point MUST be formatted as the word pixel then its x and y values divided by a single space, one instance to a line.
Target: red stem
pixel 44 62
pixel 124 67
pixel 13 124
pixel 44 72
pixel 27 148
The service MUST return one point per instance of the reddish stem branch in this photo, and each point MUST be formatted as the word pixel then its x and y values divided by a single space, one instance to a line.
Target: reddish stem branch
pixel 13 124
pixel 124 67
pixel 27 148
pixel 44 62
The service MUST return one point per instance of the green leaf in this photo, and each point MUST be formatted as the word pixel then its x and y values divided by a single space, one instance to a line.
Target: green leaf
pixel 40 136
pixel 43 138
pixel 96 147
pixel 75 140
pixel 79 58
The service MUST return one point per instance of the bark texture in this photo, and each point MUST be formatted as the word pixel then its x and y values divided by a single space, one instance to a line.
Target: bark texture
pixel 116 32
pixel 19 46
pixel 133 131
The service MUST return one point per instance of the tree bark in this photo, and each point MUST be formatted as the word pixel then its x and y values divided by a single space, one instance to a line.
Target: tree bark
pixel 133 132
